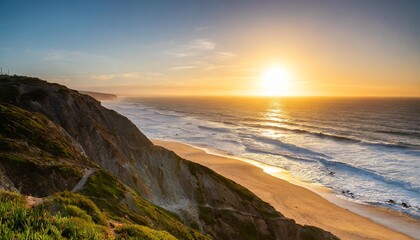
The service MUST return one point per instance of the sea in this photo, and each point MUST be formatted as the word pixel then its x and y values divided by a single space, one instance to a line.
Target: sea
pixel 367 150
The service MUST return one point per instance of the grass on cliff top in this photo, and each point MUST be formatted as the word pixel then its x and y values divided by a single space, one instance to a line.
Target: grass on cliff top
pixel 17 221
pixel 71 203
pixel 142 232
pixel 65 216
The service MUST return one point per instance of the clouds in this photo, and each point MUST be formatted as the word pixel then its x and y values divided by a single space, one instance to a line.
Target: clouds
pixel 146 76
pixel 203 44
pixel 184 67
pixel 224 56
pixel 103 77
pixel 193 48
pixel 199 54
pixel 64 55
pixel 160 64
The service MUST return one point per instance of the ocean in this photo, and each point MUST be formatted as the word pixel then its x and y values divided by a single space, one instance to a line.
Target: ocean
pixel 366 150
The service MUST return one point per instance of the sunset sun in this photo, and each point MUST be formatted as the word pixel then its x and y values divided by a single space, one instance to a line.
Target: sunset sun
pixel 275 81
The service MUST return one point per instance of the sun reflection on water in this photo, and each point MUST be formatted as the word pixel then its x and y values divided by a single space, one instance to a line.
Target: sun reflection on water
pixel 274 116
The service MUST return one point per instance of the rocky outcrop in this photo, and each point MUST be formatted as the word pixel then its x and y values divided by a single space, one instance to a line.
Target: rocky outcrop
pixel 202 198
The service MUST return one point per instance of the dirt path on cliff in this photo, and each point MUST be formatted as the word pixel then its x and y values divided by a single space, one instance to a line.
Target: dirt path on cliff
pixel 33 201
pixel 84 179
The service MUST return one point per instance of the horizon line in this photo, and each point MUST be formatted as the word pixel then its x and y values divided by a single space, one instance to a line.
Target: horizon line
pixel 253 96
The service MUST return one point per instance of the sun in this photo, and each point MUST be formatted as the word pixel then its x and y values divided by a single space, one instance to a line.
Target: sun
pixel 275 81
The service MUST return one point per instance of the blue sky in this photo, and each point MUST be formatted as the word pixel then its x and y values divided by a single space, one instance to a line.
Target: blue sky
pixel 167 45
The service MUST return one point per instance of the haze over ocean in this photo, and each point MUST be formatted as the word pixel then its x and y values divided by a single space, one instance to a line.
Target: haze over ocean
pixel 366 149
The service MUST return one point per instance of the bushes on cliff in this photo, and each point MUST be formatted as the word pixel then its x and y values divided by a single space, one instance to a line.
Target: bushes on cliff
pixel 142 232
pixel 18 221
pixel 72 204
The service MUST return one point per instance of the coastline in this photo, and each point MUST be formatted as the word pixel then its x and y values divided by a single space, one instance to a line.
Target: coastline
pixel 305 203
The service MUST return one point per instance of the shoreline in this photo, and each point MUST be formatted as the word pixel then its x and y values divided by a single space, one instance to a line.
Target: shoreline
pixel 306 203
pixel 389 218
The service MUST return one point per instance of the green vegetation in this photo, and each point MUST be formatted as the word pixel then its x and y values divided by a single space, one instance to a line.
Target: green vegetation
pixel 18 221
pixel 38 180
pixel 38 153
pixel 142 232
pixel 20 126
pixel 71 203
pixel 66 216
pixel 69 215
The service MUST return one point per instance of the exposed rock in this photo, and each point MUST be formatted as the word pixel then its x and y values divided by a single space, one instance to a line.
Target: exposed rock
pixel 347 193
pixel 405 205
pixel 6 183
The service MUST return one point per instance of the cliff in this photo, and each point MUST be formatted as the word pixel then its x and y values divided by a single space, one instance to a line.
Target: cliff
pixel 106 143
pixel 39 160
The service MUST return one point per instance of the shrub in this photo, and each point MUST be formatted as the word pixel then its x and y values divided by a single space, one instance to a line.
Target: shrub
pixel 142 232
pixel 19 222
pixel 80 206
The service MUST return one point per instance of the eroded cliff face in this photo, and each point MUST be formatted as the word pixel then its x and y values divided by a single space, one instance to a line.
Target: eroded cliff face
pixel 37 157
pixel 201 197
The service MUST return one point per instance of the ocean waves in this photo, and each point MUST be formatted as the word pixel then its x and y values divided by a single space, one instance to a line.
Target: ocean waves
pixel 216 129
pixel 349 139
pixel 365 158
pixel 296 153
pixel 279 145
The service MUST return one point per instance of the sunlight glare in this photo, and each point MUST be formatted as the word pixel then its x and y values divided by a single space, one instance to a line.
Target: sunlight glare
pixel 275 81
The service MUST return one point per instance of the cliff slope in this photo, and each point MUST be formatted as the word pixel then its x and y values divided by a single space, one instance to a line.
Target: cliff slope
pixel 41 162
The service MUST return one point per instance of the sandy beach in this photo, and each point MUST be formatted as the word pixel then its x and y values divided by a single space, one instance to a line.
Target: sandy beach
pixel 300 203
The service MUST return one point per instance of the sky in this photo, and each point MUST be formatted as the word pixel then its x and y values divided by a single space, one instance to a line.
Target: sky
pixel 226 47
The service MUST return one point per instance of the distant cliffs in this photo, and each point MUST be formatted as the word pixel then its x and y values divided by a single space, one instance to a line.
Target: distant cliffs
pixel 109 142
pixel 100 96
